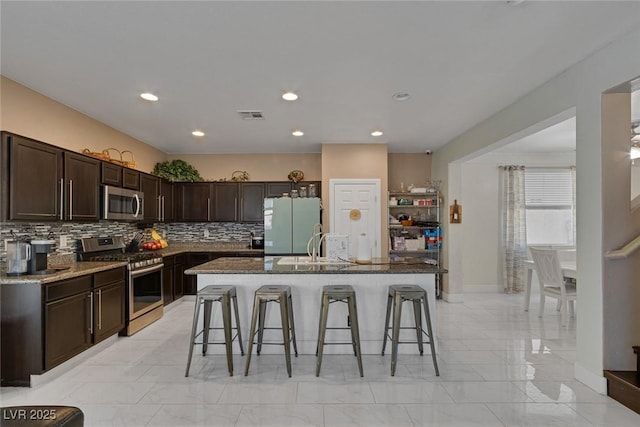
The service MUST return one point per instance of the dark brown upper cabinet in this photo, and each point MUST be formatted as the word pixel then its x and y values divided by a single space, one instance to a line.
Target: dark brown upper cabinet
pixel 111 174
pixel 225 204
pixel 150 187
pixel 130 179
pixel 167 210
pixel 82 187
pixel 252 201
pixel 47 183
pixel 275 189
pixel 193 201
pixel 35 181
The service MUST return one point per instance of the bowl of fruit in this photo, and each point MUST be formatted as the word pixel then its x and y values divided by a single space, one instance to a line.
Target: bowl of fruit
pixel 157 243
pixel 152 246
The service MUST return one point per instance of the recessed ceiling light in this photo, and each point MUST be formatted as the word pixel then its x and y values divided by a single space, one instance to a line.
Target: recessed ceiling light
pixel 376 133
pixel 290 96
pixel 148 97
pixel 297 132
pixel 400 96
pixel 197 133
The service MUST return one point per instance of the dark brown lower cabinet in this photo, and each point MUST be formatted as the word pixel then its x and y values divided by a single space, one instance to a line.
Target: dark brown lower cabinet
pixel 172 278
pixel 167 279
pixel 45 325
pixel 108 311
pixel 178 277
pixel 67 328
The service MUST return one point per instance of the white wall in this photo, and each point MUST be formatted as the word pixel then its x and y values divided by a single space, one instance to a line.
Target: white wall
pixel 481 242
pixel 480 227
pixel 579 87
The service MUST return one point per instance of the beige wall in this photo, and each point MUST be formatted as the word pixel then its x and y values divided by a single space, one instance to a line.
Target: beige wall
pixel 407 169
pixel 28 113
pixel 261 167
pixel 349 161
pixel 621 293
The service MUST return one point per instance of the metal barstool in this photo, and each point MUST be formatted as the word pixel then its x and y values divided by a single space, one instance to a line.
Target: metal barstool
pixel 281 295
pixel 331 294
pixel 397 295
pixel 207 296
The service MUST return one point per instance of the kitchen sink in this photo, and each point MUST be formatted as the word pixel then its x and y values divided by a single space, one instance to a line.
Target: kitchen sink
pixel 306 260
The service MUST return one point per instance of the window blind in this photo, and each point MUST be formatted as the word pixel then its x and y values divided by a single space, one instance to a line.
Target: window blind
pixel 548 187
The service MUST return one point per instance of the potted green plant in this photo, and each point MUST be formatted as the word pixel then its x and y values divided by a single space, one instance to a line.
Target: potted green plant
pixel 177 170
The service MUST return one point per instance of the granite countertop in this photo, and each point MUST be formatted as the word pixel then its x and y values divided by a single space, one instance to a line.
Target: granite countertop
pixel 69 268
pixel 269 265
pixel 184 247
pixel 74 269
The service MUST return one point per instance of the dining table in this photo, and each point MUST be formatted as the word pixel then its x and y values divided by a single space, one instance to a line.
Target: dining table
pixel 567 258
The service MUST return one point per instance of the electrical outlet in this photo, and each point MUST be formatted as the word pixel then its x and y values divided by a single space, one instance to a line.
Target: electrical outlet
pixel 164 234
pixel 206 232
pixel 63 241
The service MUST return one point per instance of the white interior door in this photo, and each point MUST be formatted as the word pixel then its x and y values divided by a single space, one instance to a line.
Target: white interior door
pixel 355 209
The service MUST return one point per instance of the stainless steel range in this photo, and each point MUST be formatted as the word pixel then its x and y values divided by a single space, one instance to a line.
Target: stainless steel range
pixel 144 284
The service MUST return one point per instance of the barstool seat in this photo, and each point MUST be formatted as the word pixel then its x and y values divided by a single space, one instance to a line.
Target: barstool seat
pixel 207 296
pixel 338 293
pixel 397 295
pixel 281 295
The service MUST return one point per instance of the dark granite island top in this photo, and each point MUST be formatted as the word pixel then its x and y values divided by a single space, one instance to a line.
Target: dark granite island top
pixel 270 265
pixel 370 281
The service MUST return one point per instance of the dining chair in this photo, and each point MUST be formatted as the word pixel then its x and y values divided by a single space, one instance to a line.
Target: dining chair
pixel 552 282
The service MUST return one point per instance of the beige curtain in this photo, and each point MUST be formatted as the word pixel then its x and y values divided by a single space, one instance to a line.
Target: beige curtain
pixel 514 236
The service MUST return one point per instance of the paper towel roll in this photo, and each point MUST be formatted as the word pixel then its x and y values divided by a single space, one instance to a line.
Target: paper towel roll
pixel 363 252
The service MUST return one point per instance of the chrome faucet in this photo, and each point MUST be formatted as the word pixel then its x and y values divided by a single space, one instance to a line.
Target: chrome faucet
pixel 315 240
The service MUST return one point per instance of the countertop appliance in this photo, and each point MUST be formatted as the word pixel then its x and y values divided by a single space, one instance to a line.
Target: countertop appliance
pixel 39 264
pixel 18 255
pixel 144 279
pixel 122 204
pixel 288 224
pixel 257 242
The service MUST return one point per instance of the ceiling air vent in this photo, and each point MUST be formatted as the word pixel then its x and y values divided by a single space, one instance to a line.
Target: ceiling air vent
pixel 251 115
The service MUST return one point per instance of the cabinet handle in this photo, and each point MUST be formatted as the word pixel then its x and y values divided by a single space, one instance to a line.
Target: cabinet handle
pixel 163 212
pixel 70 199
pixel 61 198
pixel 235 208
pixel 159 210
pixel 208 209
pixel 91 322
pixel 99 309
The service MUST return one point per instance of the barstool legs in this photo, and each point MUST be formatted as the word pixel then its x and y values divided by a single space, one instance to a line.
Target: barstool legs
pixel 418 297
pixel 355 332
pixel 254 320
pixel 324 312
pixel 432 344
pixel 281 295
pixel 207 296
pixel 397 315
pixel 338 293
pixel 386 323
pixel 194 327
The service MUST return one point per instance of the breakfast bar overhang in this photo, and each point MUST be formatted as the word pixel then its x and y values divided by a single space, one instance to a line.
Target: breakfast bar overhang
pixel 306 279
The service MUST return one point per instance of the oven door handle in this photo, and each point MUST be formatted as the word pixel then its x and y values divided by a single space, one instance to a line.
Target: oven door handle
pixel 151 269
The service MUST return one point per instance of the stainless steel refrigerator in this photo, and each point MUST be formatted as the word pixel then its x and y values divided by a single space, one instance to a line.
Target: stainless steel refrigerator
pixel 288 224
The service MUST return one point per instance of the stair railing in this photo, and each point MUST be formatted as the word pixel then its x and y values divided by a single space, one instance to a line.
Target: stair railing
pixel 624 251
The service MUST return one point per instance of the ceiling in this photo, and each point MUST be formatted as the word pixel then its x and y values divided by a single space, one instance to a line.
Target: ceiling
pixel 460 62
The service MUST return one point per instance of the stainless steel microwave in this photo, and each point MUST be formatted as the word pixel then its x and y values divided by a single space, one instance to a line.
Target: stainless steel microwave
pixel 122 204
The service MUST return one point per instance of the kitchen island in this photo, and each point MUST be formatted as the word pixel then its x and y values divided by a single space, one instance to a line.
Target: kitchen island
pixel 370 281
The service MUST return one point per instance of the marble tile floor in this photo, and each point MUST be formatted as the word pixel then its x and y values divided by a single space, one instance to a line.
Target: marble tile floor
pixel 499 365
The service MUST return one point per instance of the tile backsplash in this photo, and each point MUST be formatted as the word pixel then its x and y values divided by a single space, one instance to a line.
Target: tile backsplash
pixel 67 235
